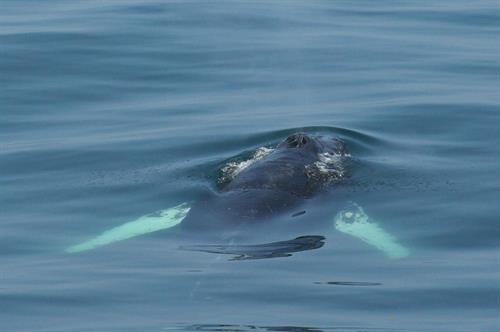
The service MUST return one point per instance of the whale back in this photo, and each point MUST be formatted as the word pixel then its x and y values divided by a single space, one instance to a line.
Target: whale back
pixel 282 171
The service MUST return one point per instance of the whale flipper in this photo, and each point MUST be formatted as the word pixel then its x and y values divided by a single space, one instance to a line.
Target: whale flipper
pixel 354 221
pixel 149 223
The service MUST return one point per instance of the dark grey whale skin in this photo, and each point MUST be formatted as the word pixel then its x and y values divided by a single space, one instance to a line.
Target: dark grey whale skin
pixel 274 185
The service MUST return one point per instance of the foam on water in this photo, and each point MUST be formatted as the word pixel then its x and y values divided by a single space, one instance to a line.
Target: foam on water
pixel 233 168
pixel 332 165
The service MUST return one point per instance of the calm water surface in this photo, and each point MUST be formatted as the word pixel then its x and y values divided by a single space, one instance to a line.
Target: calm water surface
pixel 114 109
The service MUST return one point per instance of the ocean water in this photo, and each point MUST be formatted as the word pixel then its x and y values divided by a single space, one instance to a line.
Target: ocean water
pixel 110 110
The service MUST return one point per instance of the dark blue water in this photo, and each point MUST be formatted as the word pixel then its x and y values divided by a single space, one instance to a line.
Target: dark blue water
pixel 114 109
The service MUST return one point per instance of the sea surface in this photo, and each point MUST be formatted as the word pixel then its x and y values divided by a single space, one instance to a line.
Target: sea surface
pixel 110 110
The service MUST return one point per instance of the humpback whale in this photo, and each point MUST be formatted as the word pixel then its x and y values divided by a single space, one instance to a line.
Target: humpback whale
pixel 276 182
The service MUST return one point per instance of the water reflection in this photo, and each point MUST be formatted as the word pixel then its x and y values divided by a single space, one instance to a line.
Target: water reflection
pixel 245 328
pixel 260 251
pixel 349 283
pixel 255 328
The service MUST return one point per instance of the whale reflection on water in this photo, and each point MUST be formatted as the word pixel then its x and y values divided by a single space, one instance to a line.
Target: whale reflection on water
pixel 255 328
pixel 349 283
pixel 260 251
pixel 246 328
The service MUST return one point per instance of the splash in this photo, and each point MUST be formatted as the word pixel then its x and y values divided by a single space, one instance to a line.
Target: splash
pixel 332 164
pixel 233 168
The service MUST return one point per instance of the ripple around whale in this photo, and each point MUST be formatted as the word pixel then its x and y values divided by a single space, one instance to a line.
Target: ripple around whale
pixel 364 170
pixel 243 148
pixel 357 140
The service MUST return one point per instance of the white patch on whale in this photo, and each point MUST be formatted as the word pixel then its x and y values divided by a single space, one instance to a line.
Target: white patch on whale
pixel 355 222
pixel 149 223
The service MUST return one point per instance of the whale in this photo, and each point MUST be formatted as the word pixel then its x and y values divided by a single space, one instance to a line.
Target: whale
pixel 275 182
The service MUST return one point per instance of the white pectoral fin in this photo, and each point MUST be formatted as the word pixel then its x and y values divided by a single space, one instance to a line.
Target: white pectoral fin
pixel 159 220
pixel 354 221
